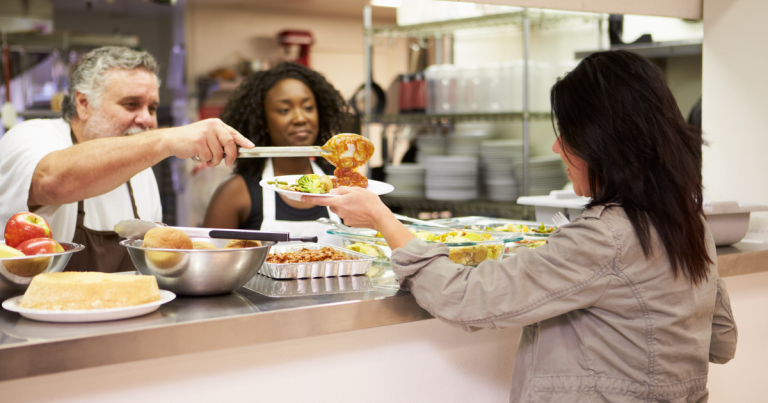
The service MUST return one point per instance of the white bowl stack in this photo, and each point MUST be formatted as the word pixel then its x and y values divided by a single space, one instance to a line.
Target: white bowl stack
pixel 408 179
pixel 467 144
pixel 497 162
pixel 429 146
pixel 452 178
pixel 545 174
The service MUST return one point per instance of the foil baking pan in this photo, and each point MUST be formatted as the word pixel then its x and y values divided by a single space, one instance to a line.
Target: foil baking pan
pixel 357 264
pixel 308 286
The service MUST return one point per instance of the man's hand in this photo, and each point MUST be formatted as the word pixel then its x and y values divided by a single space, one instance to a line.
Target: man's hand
pixel 211 140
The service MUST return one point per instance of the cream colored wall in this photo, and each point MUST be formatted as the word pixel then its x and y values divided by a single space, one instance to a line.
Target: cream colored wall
pixel 735 168
pixel 734 117
pixel 216 37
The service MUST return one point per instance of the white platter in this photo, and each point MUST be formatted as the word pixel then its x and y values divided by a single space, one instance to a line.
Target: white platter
pixel 380 188
pixel 87 315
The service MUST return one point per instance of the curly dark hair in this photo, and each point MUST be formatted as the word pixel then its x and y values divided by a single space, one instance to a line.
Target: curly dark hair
pixel 245 109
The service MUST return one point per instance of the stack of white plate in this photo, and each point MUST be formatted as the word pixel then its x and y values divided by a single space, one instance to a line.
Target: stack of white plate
pixel 452 178
pixel 408 179
pixel 467 144
pixel 497 161
pixel 428 146
pixel 545 174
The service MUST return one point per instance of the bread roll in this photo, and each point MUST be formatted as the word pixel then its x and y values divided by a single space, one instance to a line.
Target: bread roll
pixel 241 243
pixel 166 238
pixel 203 245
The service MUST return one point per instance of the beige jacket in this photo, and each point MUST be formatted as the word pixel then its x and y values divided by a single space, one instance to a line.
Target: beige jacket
pixel 601 322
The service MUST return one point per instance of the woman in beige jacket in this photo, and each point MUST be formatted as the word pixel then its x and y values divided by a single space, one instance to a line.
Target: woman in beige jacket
pixel 624 304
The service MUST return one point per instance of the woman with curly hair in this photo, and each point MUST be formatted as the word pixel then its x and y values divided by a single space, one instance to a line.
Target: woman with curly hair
pixel 288 105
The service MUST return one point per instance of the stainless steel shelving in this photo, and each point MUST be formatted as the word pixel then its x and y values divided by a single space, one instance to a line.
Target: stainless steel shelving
pixel 656 49
pixel 63 41
pixel 539 20
pixel 412 206
pixel 525 20
pixel 437 118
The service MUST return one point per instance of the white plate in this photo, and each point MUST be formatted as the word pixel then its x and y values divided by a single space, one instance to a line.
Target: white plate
pixel 87 315
pixel 380 188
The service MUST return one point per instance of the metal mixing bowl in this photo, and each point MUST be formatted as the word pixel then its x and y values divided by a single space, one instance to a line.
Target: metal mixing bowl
pixel 198 271
pixel 17 272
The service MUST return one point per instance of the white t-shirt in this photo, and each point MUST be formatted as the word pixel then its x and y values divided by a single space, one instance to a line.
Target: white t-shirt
pixel 22 148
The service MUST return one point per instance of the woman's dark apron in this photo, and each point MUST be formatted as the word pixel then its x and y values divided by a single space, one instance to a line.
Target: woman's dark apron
pixel 103 252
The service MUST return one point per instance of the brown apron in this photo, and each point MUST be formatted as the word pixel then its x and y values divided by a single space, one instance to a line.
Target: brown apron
pixel 102 252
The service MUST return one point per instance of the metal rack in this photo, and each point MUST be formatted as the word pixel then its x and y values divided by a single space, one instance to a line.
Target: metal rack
pixel 539 20
pixel 525 19
pixel 65 41
pixel 437 118
pixel 413 206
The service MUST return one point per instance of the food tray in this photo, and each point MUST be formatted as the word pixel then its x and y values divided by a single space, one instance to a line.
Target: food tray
pixel 478 223
pixel 470 253
pixel 356 265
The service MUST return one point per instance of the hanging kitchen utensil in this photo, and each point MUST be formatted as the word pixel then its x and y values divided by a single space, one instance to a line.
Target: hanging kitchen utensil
pixel 8 111
pixel 136 229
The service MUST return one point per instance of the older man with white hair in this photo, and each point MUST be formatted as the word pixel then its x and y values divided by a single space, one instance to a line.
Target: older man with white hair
pixel 92 168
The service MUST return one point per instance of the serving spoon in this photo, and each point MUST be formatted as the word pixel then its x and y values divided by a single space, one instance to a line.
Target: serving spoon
pixel 136 229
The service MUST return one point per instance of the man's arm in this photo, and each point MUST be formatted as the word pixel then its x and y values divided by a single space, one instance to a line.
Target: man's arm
pixel 98 166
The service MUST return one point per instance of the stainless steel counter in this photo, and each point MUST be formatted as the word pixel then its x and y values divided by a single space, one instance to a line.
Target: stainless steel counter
pixel 245 317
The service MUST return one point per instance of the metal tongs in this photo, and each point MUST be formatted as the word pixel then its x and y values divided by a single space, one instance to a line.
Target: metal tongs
pixel 269 152
pixel 136 229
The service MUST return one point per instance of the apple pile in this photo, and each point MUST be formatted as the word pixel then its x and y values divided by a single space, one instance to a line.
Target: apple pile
pixel 28 234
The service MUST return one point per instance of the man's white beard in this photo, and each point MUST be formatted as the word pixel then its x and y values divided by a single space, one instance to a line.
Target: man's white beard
pixel 99 125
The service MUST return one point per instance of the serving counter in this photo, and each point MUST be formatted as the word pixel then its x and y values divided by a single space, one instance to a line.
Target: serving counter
pixel 243 318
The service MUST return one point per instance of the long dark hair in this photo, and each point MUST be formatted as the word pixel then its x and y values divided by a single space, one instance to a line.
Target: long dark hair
pixel 615 112
pixel 244 111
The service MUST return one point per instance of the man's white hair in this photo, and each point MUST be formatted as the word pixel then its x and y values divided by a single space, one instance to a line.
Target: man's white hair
pixel 90 74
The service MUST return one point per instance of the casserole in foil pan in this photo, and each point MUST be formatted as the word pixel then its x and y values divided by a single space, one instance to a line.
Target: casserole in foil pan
pixel 308 286
pixel 357 264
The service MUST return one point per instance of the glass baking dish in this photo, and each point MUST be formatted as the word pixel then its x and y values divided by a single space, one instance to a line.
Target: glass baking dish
pixel 496 225
pixel 469 253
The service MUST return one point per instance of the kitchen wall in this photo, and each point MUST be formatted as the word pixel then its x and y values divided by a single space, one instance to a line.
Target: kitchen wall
pixel 735 168
pixel 218 37
pixel 154 31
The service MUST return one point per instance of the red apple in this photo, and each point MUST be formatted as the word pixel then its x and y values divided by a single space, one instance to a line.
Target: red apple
pixel 24 226
pixel 39 246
